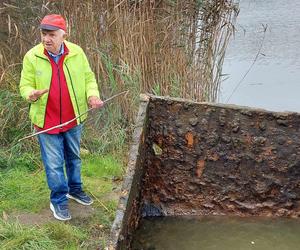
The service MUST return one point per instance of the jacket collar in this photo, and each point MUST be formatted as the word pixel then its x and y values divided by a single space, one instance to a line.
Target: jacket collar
pixel 39 51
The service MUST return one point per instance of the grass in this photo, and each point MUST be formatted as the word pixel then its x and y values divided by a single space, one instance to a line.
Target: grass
pixel 23 190
pixel 101 166
pixel 15 236
pixel 49 236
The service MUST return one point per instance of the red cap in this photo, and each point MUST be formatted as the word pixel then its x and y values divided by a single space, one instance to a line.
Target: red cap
pixel 53 22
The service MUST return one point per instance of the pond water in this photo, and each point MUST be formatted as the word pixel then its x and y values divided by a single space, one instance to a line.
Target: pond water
pixel 273 81
pixel 217 233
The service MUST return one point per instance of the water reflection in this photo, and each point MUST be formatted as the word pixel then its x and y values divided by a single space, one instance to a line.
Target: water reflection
pixel 274 81
pixel 217 233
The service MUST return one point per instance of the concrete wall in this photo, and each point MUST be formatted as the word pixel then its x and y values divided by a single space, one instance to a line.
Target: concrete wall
pixel 202 159
pixel 128 212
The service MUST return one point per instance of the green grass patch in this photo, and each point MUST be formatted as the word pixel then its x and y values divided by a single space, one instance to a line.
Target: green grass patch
pixel 14 157
pixel 65 235
pixel 21 189
pixel 98 173
pixel 107 166
pixel 16 236
pixel 54 235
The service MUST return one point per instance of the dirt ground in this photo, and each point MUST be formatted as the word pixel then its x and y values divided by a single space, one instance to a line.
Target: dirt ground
pixel 77 210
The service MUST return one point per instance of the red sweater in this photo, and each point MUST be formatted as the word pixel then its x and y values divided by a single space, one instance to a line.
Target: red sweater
pixel 59 106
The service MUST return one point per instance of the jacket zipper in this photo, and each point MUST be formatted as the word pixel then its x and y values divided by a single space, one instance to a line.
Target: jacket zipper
pixel 60 95
pixel 46 59
pixel 73 92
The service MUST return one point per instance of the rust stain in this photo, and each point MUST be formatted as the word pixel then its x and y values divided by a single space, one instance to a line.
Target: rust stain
pixel 143 137
pixel 248 139
pixel 268 151
pixel 155 199
pixel 200 168
pixel 175 108
pixel 171 138
pixel 160 140
pixel 274 192
pixel 213 156
pixel 190 139
pixel 232 157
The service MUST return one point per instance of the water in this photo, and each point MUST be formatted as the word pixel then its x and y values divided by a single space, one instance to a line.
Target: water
pixel 217 233
pixel 273 83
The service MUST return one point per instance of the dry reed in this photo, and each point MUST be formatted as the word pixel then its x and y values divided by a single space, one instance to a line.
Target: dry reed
pixel 165 47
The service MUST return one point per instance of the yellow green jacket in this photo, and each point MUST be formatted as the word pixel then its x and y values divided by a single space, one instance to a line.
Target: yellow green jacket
pixel 37 73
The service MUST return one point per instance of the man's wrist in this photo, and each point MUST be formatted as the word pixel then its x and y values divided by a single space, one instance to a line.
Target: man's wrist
pixel 30 99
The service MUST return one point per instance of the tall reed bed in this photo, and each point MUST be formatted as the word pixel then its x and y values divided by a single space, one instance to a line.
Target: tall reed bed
pixel 165 47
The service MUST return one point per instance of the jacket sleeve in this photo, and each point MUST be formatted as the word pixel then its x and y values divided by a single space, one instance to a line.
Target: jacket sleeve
pixel 90 80
pixel 27 82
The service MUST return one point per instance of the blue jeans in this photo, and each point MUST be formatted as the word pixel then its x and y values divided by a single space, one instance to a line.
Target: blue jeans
pixel 58 150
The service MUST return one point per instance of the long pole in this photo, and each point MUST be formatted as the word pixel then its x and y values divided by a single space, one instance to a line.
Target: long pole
pixel 66 123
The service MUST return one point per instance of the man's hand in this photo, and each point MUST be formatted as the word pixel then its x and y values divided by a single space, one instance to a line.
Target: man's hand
pixel 95 102
pixel 36 94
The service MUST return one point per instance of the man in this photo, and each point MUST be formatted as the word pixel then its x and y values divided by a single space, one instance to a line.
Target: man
pixel 59 84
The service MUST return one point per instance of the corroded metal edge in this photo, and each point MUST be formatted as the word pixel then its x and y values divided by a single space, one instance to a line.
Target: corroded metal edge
pixel 130 186
pixel 221 105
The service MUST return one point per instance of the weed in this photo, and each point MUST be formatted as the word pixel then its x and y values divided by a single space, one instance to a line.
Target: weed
pixel 16 236
pixel 21 189
pixel 106 166
pixel 54 235
pixel 65 235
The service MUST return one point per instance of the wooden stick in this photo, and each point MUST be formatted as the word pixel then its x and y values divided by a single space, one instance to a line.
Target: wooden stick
pixel 101 203
pixel 68 122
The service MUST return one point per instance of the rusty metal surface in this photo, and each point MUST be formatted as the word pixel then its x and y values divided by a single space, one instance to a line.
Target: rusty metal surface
pixel 213 159
pixel 202 159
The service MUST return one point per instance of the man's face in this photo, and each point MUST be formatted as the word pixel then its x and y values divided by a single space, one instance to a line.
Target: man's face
pixel 52 40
